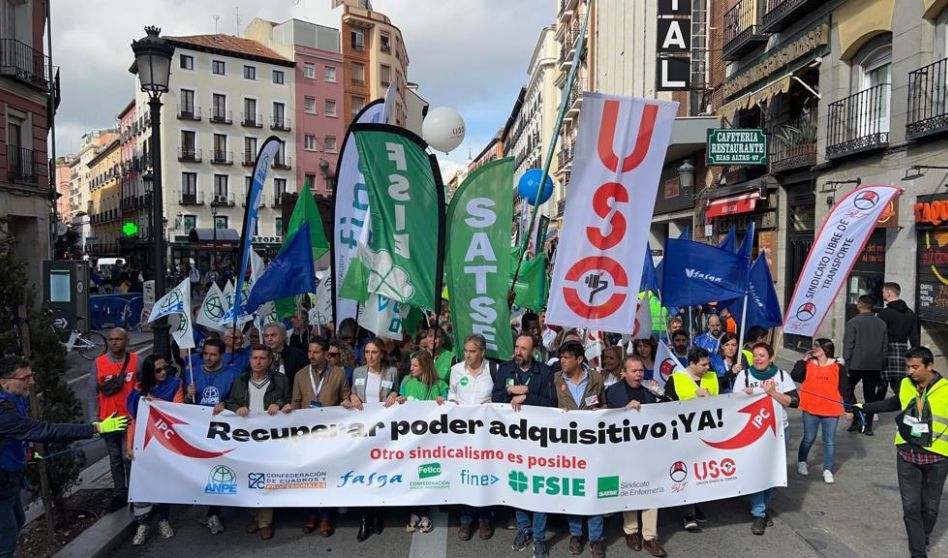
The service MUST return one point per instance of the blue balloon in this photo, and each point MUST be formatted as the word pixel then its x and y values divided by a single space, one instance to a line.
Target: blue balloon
pixel 529 186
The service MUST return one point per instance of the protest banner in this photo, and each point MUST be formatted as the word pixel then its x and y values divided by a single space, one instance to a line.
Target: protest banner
pixel 420 453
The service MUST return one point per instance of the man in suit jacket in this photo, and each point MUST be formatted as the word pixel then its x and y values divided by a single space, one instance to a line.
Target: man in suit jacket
pixel 286 360
pixel 864 346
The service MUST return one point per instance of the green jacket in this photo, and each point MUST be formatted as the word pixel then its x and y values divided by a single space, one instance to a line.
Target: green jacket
pixel 276 394
pixel 414 390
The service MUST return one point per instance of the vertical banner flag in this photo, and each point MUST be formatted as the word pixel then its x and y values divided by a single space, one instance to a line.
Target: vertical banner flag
pixel 696 273
pixel 620 151
pixel 840 241
pixel 268 151
pixel 477 256
pixel 404 258
pixel 177 304
pixel 350 210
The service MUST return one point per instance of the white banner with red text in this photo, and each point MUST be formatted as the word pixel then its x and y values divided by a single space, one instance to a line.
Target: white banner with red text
pixel 833 255
pixel 620 150
pixel 419 453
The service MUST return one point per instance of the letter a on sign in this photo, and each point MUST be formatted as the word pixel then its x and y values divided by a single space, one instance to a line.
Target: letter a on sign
pixel 619 154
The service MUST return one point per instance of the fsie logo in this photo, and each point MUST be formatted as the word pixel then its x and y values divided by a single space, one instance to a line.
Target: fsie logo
pixel 221 480
pixel 678 471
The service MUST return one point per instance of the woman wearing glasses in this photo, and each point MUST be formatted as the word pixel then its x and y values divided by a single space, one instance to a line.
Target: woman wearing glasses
pixel 155 383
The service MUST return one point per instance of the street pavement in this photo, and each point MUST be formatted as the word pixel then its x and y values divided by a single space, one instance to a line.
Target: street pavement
pixel 858 517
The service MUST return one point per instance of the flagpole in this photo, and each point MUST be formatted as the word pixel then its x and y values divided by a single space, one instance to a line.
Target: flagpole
pixel 191 373
pixel 740 342
pixel 564 104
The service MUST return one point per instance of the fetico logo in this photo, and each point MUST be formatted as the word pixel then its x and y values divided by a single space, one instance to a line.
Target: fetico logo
pixel 866 200
pixel 551 486
pixel 607 487
pixel 714 469
pixel 429 470
pixel 678 471
pixel 221 480
pixel 806 311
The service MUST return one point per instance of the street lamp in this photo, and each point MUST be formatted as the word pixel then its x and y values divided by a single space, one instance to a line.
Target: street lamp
pixel 153 65
pixel 686 177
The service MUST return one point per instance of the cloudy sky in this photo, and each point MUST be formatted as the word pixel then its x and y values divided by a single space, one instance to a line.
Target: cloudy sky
pixel 468 54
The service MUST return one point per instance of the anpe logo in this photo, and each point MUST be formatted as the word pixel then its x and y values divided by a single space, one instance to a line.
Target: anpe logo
pixel 678 471
pixel 221 480
pixel 713 469
pixel 429 470
pixel 517 481
pixel 551 486
pixel 607 487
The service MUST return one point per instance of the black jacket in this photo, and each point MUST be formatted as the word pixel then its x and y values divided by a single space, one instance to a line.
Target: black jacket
pixel 538 379
pixel 292 359
pixel 864 342
pixel 619 394
pixel 900 322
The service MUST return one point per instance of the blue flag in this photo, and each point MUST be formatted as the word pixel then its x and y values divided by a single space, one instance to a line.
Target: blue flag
pixel 696 273
pixel 685 233
pixel 763 305
pixel 747 245
pixel 290 273
pixel 649 275
pixel 730 241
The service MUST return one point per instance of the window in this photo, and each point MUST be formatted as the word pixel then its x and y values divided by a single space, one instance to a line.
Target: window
pixel 189 182
pixel 248 180
pixel 218 67
pixel 187 102
pixel 220 107
pixel 187 62
pixel 385 75
pixel 279 187
pixel 278 226
pixel 188 141
pixel 329 144
pixel 385 42
pixel 309 105
pixel 279 115
pixel 250 150
pixel 310 181
pixel 220 186
pixel 872 80
pixel 220 147
pixel 250 112
pixel 189 222
pixel 220 222
pixel 309 70
pixel 330 107
pixel 309 142
pixel 357 39
pixel 331 74
pixel 250 72
pixel 358 73
pixel 278 77
pixel 358 103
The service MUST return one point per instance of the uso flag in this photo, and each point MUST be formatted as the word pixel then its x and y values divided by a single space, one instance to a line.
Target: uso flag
pixel 841 239
pixel 620 150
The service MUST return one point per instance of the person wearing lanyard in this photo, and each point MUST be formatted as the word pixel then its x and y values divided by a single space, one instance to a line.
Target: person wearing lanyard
pixel 921 443
pixel 524 381
pixel 320 384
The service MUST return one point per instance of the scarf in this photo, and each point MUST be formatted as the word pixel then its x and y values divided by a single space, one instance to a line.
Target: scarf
pixel 762 375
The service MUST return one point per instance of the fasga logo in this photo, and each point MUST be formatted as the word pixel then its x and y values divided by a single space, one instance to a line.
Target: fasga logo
pixel 866 200
pixel 221 480
pixel 678 471
pixel 806 311
pixel 715 469
pixel 373 480
pixel 695 274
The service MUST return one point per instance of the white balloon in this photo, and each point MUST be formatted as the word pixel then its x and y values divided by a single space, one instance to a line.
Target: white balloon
pixel 443 129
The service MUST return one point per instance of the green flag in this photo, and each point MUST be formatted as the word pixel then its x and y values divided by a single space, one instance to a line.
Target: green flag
pixel 406 203
pixel 305 211
pixel 477 256
pixel 532 286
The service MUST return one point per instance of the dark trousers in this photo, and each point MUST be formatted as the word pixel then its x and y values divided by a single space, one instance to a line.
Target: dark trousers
pixel 920 487
pixel 871 380
pixel 11 519
pixel 884 386
pixel 120 467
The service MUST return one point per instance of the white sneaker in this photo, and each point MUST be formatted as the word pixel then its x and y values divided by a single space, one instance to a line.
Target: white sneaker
pixel 802 468
pixel 164 528
pixel 828 477
pixel 215 525
pixel 141 535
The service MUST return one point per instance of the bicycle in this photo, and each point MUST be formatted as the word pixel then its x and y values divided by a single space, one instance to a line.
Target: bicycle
pixel 90 344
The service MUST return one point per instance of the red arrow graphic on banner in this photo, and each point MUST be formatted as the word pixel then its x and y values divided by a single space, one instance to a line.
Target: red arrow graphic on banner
pixel 762 417
pixel 161 427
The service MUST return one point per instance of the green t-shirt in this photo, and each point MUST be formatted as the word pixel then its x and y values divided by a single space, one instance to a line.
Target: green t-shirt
pixel 414 390
pixel 443 364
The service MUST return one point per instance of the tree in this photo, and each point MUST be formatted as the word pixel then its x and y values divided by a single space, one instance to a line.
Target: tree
pixel 56 401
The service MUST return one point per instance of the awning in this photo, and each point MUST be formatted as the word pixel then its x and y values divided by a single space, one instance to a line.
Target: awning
pixel 780 85
pixel 732 205
pixel 208 235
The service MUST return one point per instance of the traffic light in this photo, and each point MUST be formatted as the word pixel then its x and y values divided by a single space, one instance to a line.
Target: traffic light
pixel 129 228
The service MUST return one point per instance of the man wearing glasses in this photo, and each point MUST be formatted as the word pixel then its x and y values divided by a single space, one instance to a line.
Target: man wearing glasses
pixel 236 356
pixel 112 379
pixel 16 429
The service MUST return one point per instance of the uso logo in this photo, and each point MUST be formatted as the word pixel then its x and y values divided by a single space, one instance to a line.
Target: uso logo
pixel 806 311
pixel 866 200
pixel 678 471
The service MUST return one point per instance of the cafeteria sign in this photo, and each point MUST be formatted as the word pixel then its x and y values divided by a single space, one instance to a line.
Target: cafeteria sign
pixel 731 146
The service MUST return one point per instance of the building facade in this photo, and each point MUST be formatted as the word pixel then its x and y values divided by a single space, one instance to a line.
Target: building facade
pixel 105 187
pixel 64 187
pixel 80 200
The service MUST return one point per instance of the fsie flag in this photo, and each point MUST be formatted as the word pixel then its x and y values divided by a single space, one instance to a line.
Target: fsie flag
pixel 620 150
pixel 841 239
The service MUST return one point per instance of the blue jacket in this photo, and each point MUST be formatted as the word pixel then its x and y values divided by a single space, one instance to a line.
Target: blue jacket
pixel 538 379
pixel 214 388
pixel 16 429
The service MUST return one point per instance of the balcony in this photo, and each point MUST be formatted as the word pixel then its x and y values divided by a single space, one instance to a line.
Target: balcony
pixel 859 122
pixel 928 100
pixel 280 123
pixel 794 144
pixel 251 120
pixel 221 117
pixel 566 9
pixel 223 200
pixel 779 14
pixel 565 157
pixel 186 197
pixel 23 166
pixel 561 208
pixel 222 158
pixel 189 112
pixel 250 158
pixel 282 162
pixel 741 32
pixel 189 155
pixel 576 98
pixel 24 63
pixel 277 199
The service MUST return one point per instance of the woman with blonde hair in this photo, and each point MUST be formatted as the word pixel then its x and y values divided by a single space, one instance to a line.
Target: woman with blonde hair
pixel 612 359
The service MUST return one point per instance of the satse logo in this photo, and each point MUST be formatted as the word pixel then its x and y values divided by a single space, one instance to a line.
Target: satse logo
pixel 695 274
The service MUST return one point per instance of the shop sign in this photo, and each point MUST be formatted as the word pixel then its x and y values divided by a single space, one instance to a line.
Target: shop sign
pixel 782 57
pixel 673 45
pixel 267 240
pixel 931 211
pixel 736 146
